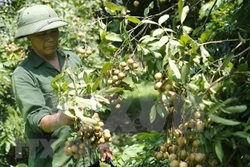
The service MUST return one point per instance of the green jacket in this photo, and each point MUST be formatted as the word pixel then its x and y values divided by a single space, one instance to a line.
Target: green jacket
pixel 31 84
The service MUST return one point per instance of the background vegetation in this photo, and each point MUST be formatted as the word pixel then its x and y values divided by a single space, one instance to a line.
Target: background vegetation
pixel 200 50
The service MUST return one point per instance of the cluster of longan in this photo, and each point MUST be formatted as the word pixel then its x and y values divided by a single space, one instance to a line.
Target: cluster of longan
pixel 162 84
pixel 93 134
pixel 114 99
pixel 84 52
pixel 12 47
pixel 116 75
pixel 183 147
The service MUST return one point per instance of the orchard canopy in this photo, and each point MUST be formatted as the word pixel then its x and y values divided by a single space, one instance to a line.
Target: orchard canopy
pixel 169 79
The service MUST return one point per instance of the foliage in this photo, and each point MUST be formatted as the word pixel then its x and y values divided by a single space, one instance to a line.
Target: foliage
pixel 137 149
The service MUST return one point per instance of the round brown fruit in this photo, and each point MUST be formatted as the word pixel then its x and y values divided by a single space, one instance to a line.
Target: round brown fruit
pixel 106 136
pixel 181 141
pixel 123 12
pixel 135 65
pixel 80 34
pixel 183 154
pixel 101 140
pixel 167 142
pixel 168 87
pixel 97 128
pixel 183 164
pixel 199 157
pixel 76 156
pixel 130 61
pixel 79 133
pixel 123 64
pixel 158 76
pixel 158 85
pixel 121 75
pixel 118 82
pixel 172 149
pixel 67 143
pixel 200 126
pixel 88 51
pixel 163 148
pixel 191 158
pixel 136 3
pixel 81 146
pixel 158 155
pixel 172 157
pixel 214 163
pixel 117 106
pixel 174 163
pixel 101 124
pixel 116 71
pixel 110 81
pixel 165 155
pixel 197 115
pixel 115 78
pixel 81 50
pixel 106 131
pixel 198 165
pixel 67 151
pixel 196 143
pixel 74 148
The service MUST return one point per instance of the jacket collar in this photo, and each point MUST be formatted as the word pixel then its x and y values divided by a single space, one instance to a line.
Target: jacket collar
pixel 37 60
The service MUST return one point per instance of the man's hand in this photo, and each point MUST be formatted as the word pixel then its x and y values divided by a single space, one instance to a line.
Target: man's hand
pixel 50 123
pixel 105 151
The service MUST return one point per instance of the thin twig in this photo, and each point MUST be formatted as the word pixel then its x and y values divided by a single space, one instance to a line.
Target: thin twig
pixel 222 41
pixel 210 11
pixel 241 53
pixel 215 82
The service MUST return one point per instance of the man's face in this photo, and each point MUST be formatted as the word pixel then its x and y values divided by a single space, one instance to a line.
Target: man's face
pixel 45 43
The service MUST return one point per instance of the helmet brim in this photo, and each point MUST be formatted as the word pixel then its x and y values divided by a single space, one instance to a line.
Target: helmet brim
pixel 39 26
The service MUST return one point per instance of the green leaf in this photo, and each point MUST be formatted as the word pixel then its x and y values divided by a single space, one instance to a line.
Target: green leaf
pixel 150 6
pixel 112 6
pixel 146 39
pixel 223 121
pixel 157 32
pixel 148 22
pixel 152 114
pixel 7 147
pixel 184 13
pixel 163 18
pixel 161 110
pixel 204 53
pixel 110 90
pixel 96 84
pixel 21 165
pixel 133 19
pixel 185 71
pixel 227 60
pixel 173 47
pixel 106 67
pixel 219 105
pixel 219 150
pixel 240 2
pixel 113 37
pixel 241 39
pixel 174 68
pixel 180 7
pixel 236 109
pixel 241 134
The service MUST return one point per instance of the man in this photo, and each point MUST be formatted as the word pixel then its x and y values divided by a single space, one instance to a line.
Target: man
pixel 45 126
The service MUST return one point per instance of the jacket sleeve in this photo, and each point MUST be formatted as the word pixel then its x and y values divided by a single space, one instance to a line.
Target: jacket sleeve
pixel 29 99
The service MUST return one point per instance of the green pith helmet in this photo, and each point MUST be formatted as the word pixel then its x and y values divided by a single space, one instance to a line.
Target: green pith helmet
pixel 37 18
